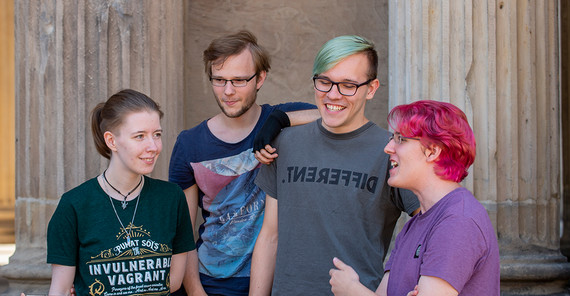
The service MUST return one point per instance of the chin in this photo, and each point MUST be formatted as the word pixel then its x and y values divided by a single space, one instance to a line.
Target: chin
pixel 393 182
pixel 146 171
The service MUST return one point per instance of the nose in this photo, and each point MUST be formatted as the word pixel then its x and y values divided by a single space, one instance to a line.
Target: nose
pixel 229 88
pixel 389 148
pixel 154 145
pixel 334 93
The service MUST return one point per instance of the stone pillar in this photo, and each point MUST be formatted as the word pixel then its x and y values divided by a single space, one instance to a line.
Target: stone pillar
pixel 498 61
pixel 71 55
pixel 565 105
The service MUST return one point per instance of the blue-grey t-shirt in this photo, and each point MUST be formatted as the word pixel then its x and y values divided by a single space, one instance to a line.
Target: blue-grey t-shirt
pixel 333 201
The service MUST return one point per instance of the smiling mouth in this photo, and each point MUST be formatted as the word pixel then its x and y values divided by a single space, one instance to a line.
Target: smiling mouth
pixel 394 163
pixel 334 107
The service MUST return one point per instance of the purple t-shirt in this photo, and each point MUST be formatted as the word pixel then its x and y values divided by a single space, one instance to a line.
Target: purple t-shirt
pixel 455 241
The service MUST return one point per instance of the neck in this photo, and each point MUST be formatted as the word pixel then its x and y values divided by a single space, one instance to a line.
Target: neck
pixel 234 129
pixel 429 195
pixel 123 181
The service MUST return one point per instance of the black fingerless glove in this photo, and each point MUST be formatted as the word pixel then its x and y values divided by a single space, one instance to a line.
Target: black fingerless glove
pixel 276 121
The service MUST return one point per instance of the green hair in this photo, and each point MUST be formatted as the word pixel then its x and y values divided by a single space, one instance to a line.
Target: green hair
pixel 341 47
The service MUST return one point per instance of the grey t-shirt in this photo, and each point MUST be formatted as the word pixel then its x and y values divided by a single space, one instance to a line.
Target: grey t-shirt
pixel 333 201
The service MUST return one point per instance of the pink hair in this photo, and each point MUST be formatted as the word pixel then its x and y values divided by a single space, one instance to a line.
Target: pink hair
pixel 440 124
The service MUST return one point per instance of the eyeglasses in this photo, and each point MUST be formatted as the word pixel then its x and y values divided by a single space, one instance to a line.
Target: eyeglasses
pixel 235 82
pixel 344 88
pixel 398 138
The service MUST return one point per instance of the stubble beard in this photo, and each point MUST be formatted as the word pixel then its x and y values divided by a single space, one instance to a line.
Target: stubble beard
pixel 240 112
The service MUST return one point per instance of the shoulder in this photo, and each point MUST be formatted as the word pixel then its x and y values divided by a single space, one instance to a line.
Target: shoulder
pixel 166 188
pixel 188 133
pixel 379 131
pixel 464 215
pixel 158 183
pixel 84 196
pixel 187 140
pixel 463 203
pixel 81 190
pixel 299 130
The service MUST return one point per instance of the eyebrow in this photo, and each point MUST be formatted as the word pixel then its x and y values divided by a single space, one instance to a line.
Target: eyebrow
pixel 235 77
pixel 346 80
pixel 142 131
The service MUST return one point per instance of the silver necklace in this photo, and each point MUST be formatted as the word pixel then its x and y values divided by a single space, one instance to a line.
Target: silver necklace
pixel 129 233
pixel 123 202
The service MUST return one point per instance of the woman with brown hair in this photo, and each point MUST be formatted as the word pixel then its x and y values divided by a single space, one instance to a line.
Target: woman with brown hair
pixel 121 232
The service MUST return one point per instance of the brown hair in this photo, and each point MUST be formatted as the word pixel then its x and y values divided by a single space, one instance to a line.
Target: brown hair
pixel 110 115
pixel 220 49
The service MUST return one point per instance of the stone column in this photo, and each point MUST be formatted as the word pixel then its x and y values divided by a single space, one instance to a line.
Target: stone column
pixel 497 61
pixel 71 55
pixel 565 105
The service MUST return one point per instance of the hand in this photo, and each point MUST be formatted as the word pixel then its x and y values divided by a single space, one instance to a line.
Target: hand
pixel 413 292
pixel 276 121
pixel 343 279
pixel 266 155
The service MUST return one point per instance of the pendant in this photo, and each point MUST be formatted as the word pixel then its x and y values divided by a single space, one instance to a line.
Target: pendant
pixel 124 204
pixel 128 239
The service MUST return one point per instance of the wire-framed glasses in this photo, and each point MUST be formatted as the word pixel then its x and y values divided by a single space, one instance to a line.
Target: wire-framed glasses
pixel 235 82
pixel 398 138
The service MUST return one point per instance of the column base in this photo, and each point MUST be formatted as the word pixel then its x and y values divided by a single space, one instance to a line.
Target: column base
pixel 540 273
pixel 27 272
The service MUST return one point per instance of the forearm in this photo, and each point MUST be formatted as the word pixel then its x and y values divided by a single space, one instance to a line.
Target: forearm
pixel 383 287
pixel 177 270
pixel 263 265
pixel 61 279
pixel 192 283
pixel 358 289
pixel 303 116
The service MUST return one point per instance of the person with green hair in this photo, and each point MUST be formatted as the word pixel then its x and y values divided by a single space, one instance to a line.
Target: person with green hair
pixel 326 193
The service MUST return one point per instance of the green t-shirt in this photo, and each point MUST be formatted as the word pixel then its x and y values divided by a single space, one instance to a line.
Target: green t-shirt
pixel 84 232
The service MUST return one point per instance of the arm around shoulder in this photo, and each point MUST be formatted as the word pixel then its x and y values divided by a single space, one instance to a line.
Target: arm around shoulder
pixel 265 251
pixel 303 116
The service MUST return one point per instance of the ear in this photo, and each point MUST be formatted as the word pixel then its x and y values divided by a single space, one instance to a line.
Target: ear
pixel 110 140
pixel 432 153
pixel 260 79
pixel 372 88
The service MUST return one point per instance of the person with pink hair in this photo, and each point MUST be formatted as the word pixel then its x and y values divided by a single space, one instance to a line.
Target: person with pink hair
pixel 450 247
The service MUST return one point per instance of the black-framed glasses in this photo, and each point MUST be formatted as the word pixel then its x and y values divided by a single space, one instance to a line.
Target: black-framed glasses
pixel 398 138
pixel 235 82
pixel 344 88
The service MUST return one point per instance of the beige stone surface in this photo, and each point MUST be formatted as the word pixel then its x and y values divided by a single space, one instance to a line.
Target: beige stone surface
pixel 498 61
pixel 293 32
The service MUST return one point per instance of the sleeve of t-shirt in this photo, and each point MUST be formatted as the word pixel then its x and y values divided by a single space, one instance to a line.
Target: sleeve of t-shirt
pixel 180 171
pixel 266 179
pixel 62 240
pixel 184 237
pixel 294 106
pixel 405 200
pixel 453 249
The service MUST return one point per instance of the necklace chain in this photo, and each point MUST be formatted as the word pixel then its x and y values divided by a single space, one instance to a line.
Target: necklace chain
pixel 124 202
pixel 128 234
